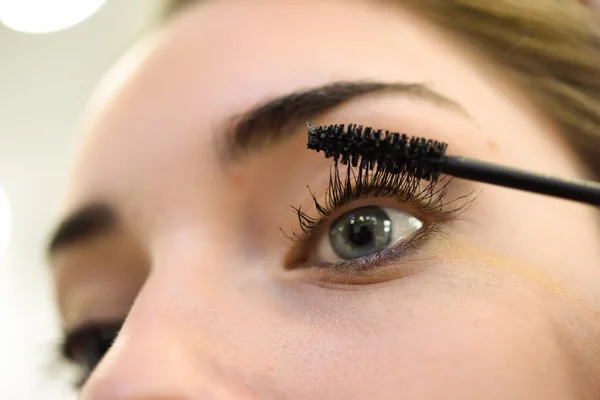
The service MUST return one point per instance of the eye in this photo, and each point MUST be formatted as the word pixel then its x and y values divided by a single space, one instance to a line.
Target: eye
pixel 88 345
pixel 363 232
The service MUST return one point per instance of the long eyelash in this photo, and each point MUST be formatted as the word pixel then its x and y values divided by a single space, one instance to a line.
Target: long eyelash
pixel 362 182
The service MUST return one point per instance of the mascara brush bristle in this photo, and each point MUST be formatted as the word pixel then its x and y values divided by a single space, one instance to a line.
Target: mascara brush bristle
pixel 388 151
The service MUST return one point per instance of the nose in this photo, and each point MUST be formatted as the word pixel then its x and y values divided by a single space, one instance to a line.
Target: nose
pixel 156 366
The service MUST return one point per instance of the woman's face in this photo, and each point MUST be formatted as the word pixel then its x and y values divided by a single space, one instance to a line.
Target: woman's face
pixel 181 225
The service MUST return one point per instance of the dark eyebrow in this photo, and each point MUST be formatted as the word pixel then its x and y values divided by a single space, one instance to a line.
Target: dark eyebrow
pixel 85 223
pixel 278 119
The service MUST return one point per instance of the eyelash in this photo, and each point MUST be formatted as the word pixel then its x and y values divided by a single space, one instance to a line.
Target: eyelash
pixel 86 346
pixel 363 183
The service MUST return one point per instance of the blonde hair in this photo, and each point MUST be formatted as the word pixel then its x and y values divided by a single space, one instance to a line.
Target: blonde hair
pixel 550 48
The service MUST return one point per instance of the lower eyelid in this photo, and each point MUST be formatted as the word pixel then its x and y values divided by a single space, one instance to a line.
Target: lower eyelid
pixel 395 262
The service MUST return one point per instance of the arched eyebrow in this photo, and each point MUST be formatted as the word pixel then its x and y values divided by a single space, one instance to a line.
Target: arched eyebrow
pixel 277 120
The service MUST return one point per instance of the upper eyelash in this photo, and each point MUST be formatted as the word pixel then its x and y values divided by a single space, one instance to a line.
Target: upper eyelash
pixel 360 182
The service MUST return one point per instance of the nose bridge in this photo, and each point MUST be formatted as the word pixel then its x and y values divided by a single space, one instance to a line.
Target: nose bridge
pixel 168 347
pixel 156 368
pixel 157 358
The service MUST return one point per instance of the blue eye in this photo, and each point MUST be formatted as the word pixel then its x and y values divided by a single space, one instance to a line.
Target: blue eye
pixel 363 232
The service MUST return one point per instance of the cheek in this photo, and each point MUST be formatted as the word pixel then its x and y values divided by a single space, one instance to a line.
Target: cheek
pixel 447 331
pixel 424 340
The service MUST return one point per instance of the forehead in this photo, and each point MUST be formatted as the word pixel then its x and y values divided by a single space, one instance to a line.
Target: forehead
pixel 222 58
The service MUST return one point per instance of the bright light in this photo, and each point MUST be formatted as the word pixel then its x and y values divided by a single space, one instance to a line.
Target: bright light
pixel 42 16
pixel 5 222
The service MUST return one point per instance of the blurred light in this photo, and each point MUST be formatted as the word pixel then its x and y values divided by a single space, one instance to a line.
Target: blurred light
pixel 42 16
pixel 5 222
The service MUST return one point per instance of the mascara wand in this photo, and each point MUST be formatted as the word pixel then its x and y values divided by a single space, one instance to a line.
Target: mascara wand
pixel 427 159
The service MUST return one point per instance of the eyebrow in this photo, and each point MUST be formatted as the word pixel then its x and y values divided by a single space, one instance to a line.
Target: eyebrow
pixel 276 120
pixel 262 126
pixel 88 222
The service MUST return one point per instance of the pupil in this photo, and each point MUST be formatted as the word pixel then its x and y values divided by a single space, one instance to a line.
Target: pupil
pixel 361 232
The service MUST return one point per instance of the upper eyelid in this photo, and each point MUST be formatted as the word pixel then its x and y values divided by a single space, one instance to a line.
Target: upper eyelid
pixel 410 194
pixel 371 201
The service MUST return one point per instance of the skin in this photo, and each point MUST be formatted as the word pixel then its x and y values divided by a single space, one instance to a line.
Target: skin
pixel 503 305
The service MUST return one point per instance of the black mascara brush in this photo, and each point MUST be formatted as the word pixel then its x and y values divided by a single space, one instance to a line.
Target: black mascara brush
pixel 427 159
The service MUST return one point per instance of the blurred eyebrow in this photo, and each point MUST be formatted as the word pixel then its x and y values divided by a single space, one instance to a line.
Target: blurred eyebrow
pixel 277 120
pixel 87 222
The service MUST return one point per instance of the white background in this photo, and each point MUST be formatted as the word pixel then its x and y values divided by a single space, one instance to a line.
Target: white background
pixel 45 81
